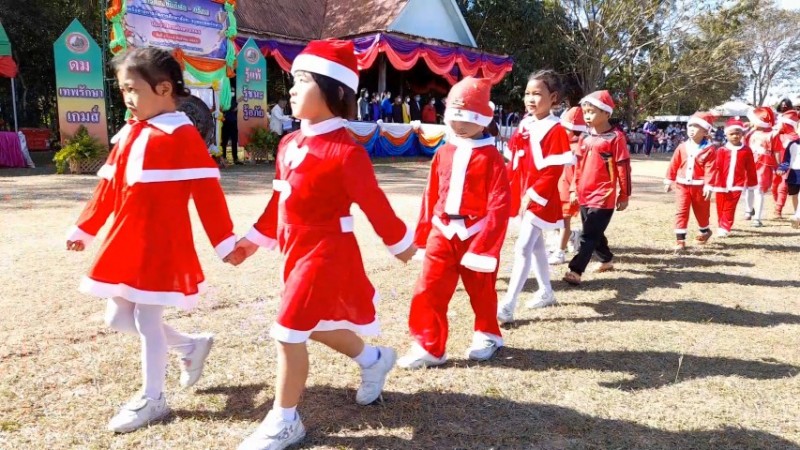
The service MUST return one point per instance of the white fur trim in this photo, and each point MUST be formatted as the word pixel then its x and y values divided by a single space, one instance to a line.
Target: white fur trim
pixel 472 143
pixel 107 172
pixel 479 263
pixel 680 231
pixel 289 336
pixel 316 64
pixel 133 171
pixel 538 129
pixel 347 224
pixel 465 115
pixel 668 181
pixel 132 294
pixel 689 182
pixel 283 187
pixel 458 175
pixel 541 223
pixel 158 176
pixel 169 122
pixel 324 127
pixel 225 247
pixel 293 155
pixel 535 197
pixel 734 127
pixel 122 134
pixel 596 102
pixel 698 121
pixel 76 234
pixel 458 228
pixel 756 121
pixel 419 255
pixel 261 240
pixel 403 245
pixel 572 127
pixel 782 119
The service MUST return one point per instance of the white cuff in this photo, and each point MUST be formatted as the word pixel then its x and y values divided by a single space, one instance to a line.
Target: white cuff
pixel 225 247
pixel 419 255
pixel 404 243
pixel 76 234
pixel 669 181
pixel 259 239
pixel 479 263
pixel 707 188
pixel 541 201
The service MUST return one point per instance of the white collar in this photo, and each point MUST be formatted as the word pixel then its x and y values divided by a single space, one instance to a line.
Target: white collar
pixel 733 147
pixel 324 127
pixel 472 143
pixel 532 120
pixel 169 122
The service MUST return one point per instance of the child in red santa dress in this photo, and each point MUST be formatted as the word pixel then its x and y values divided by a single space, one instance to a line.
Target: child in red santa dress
pixel 534 191
pixel 320 173
pixel 572 121
pixel 461 228
pixel 604 164
pixel 734 172
pixel 787 133
pixel 148 261
pixel 689 172
pixel 766 146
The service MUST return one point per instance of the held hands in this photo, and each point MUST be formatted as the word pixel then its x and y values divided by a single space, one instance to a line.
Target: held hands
pixel 622 205
pixel 407 254
pixel 526 201
pixel 75 246
pixel 573 198
pixel 243 250
pixel 707 195
pixel 668 187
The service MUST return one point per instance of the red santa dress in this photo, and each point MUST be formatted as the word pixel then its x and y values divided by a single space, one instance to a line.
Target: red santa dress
pixel 690 169
pixel 766 147
pixel 780 189
pixel 461 227
pixel 735 171
pixel 148 257
pixel 320 172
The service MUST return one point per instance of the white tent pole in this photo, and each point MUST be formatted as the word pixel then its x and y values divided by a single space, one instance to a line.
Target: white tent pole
pixel 14 103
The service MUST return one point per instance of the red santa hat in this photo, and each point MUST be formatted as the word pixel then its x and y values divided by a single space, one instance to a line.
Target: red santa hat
pixel 573 119
pixel 468 101
pixel 333 58
pixel 734 123
pixel 790 118
pixel 702 119
pixel 762 117
pixel 600 99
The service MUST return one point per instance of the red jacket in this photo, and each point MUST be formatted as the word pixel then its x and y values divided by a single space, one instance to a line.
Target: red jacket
pixel 691 164
pixel 735 169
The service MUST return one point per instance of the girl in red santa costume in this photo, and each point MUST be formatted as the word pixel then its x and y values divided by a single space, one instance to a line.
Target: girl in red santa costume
pixel 689 172
pixel 461 228
pixel 320 173
pixel 735 172
pixel 148 260
pixel 767 148
pixel 545 151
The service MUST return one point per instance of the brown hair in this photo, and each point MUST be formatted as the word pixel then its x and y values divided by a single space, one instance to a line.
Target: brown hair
pixel 550 79
pixel 154 66
pixel 340 99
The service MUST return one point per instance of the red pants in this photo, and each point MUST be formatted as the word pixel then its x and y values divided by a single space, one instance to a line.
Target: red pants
pixel 691 198
pixel 780 192
pixel 435 287
pixel 726 208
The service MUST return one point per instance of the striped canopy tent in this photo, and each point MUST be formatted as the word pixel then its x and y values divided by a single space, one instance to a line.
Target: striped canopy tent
pixel 8 68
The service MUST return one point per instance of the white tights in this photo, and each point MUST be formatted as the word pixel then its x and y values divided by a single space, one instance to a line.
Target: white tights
pixel 530 250
pixel 146 321
pixel 754 200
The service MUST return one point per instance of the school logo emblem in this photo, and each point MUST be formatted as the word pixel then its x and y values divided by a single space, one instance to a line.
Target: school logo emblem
pixel 77 43
pixel 251 55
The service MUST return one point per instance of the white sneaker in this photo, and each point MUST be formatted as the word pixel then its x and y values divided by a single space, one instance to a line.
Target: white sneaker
pixel 557 257
pixel 418 357
pixel 275 433
pixel 482 348
pixel 193 363
pixel 374 377
pixel 139 412
pixel 756 223
pixel 541 299
pixel 722 233
pixel 574 243
pixel 505 313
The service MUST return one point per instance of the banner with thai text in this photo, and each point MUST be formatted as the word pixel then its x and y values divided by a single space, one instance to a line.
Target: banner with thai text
pixel 196 26
pixel 251 90
pixel 79 84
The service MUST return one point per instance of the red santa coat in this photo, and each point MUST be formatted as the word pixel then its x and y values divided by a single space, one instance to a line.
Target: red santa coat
pixel 153 170
pixel 467 195
pixel 766 146
pixel 691 164
pixel 320 172
pixel 735 169
pixel 540 150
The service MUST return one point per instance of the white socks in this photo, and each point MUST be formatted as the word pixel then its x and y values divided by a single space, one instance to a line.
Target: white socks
pixel 285 414
pixel 368 357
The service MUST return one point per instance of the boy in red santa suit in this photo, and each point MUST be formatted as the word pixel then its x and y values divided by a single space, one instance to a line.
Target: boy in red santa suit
pixel 689 172
pixel 766 147
pixel 534 191
pixel 572 121
pixel 462 224
pixel 787 133
pixel 604 164
pixel 320 172
pixel 734 172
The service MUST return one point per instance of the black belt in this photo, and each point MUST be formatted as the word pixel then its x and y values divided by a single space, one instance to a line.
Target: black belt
pixel 454 217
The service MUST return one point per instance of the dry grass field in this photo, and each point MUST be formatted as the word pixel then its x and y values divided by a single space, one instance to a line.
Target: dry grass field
pixel 699 351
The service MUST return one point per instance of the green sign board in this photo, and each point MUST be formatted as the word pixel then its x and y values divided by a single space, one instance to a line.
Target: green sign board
pixel 251 90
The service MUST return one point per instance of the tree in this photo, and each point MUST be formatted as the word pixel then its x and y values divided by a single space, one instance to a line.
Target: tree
pixel 774 48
